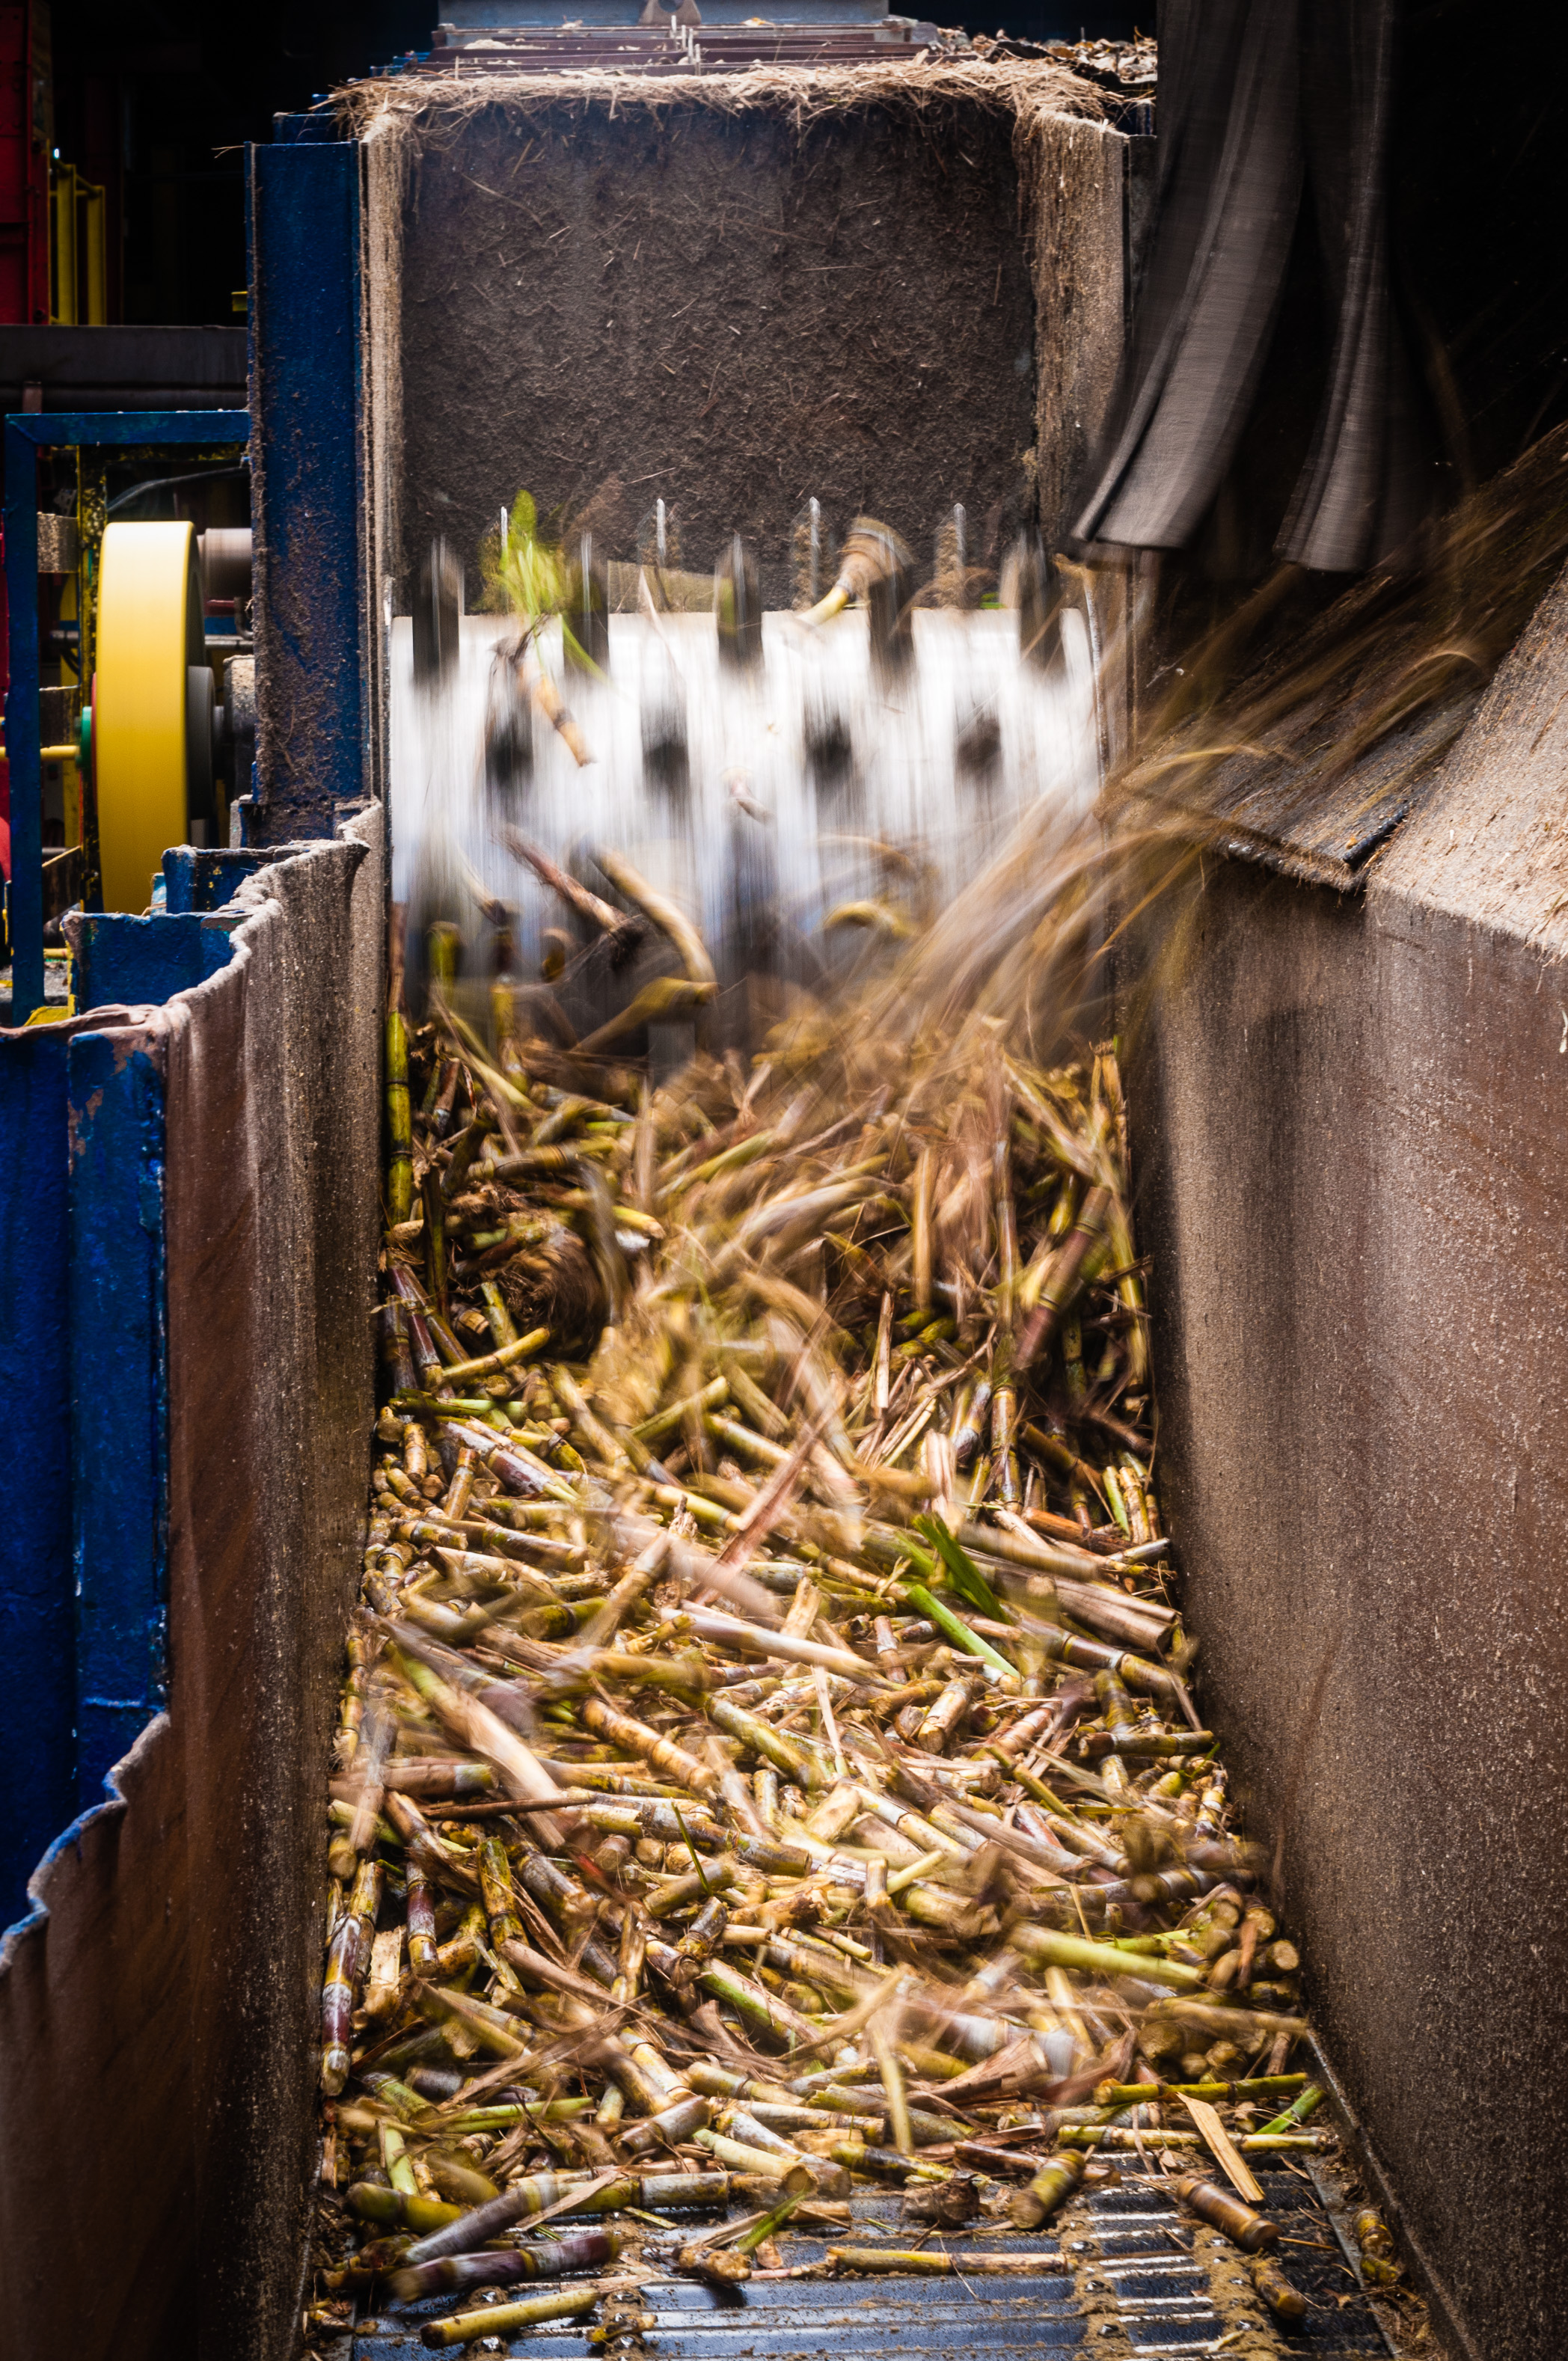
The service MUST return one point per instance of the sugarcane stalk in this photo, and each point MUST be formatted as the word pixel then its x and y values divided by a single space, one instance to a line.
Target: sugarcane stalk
pixel 395 2159
pixel 421 1942
pixel 370 1772
pixel 871 556
pixel 490 1364
pixel 347 1957
pixel 680 1892
pixel 507 2319
pixel 475 2017
pixel 457 2271
pixel 670 1420
pixel 759 2008
pixel 395 2209
pixel 620 1729
pixel 1040 1326
pixel 473 1721
pixel 1284 2302
pixel 495 1888
pixel 792 1756
pixel 925 1174
pixel 883 2163
pixel 1244 2227
pixel 922 2262
pixel 663 913
pixel 1043 1947
pixel 1134 2094
pixel 669 2126
pixel 1049 2189
pixel 892 2086
pixel 400 1128
pixel 1305 2104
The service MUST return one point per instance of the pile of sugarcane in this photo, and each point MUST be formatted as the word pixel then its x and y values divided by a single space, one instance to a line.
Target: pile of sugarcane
pixel 767 1763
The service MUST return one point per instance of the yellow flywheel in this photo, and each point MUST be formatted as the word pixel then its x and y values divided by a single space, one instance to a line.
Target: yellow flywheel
pixel 152 705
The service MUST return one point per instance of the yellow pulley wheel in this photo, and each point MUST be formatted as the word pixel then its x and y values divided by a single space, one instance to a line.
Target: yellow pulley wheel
pixel 151 705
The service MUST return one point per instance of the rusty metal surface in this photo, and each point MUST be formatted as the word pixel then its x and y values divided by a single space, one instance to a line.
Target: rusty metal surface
pixel 1135 2285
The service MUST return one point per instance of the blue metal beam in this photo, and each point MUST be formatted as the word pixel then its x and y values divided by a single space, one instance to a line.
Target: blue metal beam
pixel 132 961
pixel 120 1384
pixel 27 432
pixel 36 1620
pixel 83 1406
pixel 313 718
pixel 203 877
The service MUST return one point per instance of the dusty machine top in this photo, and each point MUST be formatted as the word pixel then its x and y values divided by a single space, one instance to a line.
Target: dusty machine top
pixel 474 25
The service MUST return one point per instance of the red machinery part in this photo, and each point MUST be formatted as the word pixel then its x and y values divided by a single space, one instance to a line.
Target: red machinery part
pixel 24 135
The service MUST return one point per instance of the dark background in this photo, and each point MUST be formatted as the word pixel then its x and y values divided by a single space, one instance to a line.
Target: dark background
pixel 154 98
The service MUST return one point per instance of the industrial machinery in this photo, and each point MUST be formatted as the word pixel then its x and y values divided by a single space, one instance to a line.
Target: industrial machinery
pixel 143 724
pixel 680 303
pixel 224 1118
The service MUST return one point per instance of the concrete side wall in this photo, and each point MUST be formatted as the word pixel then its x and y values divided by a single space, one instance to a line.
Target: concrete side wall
pixel 1350 1124
pixel 156 2010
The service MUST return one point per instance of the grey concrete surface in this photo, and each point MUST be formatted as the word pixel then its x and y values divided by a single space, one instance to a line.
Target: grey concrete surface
pixel 1348 1118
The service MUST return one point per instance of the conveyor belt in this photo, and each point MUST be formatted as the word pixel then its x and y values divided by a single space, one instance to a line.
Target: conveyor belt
pixel 1137 2284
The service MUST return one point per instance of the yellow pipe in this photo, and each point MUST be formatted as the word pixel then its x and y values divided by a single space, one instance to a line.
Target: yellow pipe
pixel 62 211
pixel 95 253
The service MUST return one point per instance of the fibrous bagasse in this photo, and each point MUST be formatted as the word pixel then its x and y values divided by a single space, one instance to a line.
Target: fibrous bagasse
pixel 888 289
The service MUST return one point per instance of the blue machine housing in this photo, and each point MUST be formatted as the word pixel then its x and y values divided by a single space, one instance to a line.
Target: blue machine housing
pixel 84 1390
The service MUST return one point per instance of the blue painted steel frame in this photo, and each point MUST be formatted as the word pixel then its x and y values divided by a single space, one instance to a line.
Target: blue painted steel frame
pixel 83 1394
pixel 146 961
pixel 84 1564
pixel 83 1389
pixel 119 1400
pixel 36 1607
pixel 27 432
pixel 315 652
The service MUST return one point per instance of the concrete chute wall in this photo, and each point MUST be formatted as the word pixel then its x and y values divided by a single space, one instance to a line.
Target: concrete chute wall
pixel 1349 1115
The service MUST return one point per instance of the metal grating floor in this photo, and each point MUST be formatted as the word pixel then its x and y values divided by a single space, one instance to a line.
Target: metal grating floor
pixel 1140 2286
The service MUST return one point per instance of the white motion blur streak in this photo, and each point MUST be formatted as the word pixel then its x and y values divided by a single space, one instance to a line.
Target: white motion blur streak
pixel 794 770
